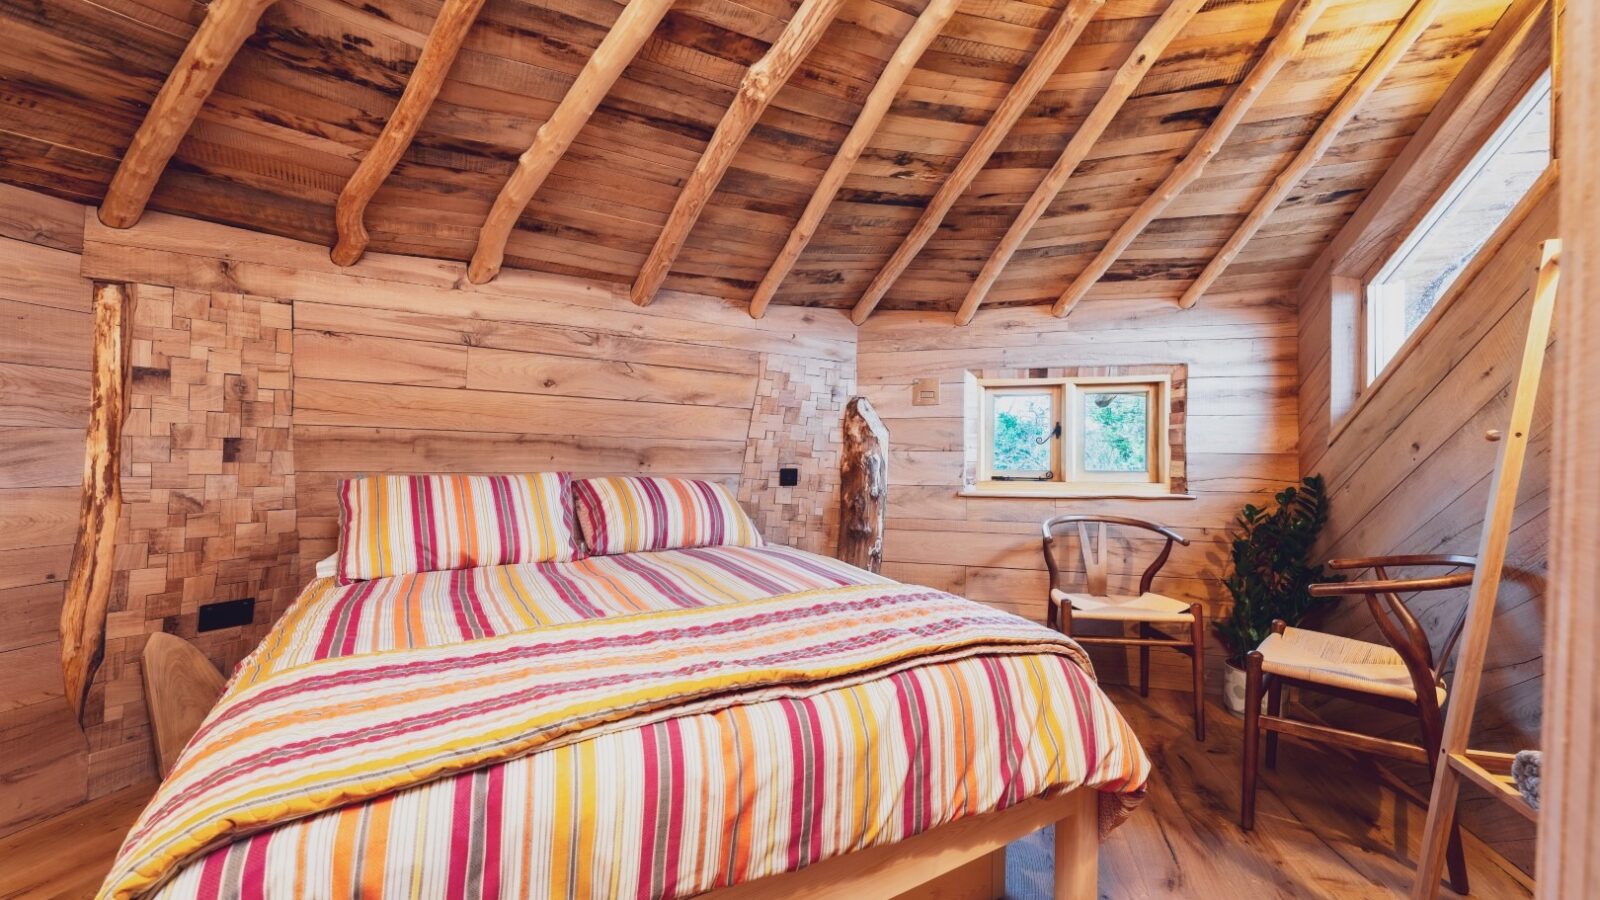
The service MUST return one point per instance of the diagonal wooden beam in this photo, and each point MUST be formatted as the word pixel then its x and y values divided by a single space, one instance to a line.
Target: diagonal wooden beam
pixel 760 84
pixel 438 54
pixel 912 46
pixel 1378 68
pixel 1284 46
pixel 228 23
pixel 1123 84
pixel 637 22
pixel 1046 60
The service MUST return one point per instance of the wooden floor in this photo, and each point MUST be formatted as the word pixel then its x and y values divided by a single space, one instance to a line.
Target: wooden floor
pixel 1323 829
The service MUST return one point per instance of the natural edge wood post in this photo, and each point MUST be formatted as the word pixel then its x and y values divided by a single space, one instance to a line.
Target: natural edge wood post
pixel 1378 68
pixel 228 23
pixel 444 42
pixel 620 45
pixel 83 612
pixel 1568 858
pixel 1279 52
pixel 863 486
pixel 1046 60
pixel 1123 84
pixel 761 84
pixel 916 42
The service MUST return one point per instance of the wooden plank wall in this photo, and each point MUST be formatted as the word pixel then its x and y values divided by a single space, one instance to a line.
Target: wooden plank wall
pixel 398 365
pixel 1410 471
pixel 1240 350
pixel 45 337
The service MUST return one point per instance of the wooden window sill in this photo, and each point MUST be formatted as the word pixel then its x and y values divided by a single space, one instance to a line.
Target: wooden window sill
pixel 1066 492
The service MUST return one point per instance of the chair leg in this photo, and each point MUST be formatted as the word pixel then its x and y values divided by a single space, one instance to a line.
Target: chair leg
pixel 1274 708
pixel 1144 667
pixel 1252 739
pixel 1197 655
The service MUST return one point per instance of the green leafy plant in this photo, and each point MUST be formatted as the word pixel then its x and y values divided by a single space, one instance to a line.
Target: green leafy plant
pixel 1272 573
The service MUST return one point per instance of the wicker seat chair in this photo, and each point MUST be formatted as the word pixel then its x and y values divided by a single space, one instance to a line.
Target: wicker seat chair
pixel 1399 675
pixel 1145 610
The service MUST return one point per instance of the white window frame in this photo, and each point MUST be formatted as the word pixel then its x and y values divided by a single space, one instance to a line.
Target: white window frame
pixel 1383 304
pixel 1067 476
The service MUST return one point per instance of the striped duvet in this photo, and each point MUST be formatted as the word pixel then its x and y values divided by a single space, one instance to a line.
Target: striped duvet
pixel 686 800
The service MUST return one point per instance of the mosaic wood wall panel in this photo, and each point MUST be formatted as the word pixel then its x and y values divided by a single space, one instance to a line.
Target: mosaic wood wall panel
pixel 209 502
pixel 795 422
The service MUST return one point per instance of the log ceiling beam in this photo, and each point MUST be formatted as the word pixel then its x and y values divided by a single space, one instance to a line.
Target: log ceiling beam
pixel 1044 64
pixel 88 593
pixel 1279 52
pixel 228 23
pixel 905 58
pixel 621 44
pixel 438 54
pixel 1378 68
pixel 760 85
pixel 1123 84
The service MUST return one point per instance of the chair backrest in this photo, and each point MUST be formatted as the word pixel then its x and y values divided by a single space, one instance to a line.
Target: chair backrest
pixel 1397 624
pixel 1094 549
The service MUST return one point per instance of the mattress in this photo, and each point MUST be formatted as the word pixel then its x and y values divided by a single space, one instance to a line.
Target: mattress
pixel 676 807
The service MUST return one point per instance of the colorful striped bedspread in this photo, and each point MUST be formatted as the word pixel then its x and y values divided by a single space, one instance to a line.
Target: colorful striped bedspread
pixel 645 725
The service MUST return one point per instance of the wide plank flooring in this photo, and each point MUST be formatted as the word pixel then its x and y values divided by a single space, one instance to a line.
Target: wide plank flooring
pixel 1324 829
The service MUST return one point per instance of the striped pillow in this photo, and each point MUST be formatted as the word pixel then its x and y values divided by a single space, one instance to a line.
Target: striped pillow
pixel 624 515
pixel 396 524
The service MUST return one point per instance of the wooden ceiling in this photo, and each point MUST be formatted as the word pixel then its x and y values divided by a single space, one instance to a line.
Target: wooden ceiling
pixel 306 98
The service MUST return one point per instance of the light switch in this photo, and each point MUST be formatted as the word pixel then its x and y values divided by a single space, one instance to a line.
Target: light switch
pixel 925 392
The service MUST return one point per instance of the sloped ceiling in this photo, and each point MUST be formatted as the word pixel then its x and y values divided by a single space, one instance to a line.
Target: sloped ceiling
pixel 315 84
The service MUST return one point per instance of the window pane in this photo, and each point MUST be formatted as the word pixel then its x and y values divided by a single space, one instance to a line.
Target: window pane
pixel 1022 427
pixel 1466 218
pixel 1116 431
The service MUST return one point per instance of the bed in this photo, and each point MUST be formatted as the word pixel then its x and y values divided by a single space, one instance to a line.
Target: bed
pixel 854 737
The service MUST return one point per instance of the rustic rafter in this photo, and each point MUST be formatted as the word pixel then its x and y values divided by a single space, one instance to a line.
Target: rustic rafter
pixel 228 23
pixel 760 84
pixel 1044 64
pixel 438 54
pixel 1381 64
pixel 1283 48
pixel 638 20
pixel 916 42
pixel 1123 84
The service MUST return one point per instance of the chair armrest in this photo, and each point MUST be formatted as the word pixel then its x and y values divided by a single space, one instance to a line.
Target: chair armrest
pixel 1403 561
pixel 1392 585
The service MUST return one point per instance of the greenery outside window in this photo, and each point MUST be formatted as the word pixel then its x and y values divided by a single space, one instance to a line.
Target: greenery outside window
pixel 1071 434
pixel 1420 272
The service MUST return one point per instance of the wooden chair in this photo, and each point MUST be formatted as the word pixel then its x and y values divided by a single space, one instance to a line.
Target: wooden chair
pixel 1399 675
pixel 1146 609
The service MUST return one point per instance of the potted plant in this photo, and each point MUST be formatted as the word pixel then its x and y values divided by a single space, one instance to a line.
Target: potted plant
pixel 1272 575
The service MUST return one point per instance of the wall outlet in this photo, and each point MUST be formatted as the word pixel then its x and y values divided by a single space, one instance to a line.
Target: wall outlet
pixel 226 614
pixel 925 392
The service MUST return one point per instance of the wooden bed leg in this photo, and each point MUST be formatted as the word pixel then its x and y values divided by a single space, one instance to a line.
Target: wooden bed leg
pixel 1078 849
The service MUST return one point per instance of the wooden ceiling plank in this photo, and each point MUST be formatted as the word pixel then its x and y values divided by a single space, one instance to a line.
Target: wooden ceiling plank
pixel 621 44
pixel 228 23
pixel 1381 64
pixel 1044 64
pixel 1123 84
pixel 1279 52
pixel 927 28
pixel 760 85
pixel 438 55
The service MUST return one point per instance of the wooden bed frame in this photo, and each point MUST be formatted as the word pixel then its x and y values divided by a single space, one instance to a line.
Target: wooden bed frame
pixel 964 860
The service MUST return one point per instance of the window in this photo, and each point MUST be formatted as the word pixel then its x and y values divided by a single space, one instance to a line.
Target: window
pixel 1409 284
pixel 1069 434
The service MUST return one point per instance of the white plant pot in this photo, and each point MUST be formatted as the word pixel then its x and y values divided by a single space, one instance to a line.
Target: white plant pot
pixel 1233 691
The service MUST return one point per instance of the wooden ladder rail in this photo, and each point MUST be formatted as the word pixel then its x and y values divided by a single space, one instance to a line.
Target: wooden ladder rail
pixel 1455 760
